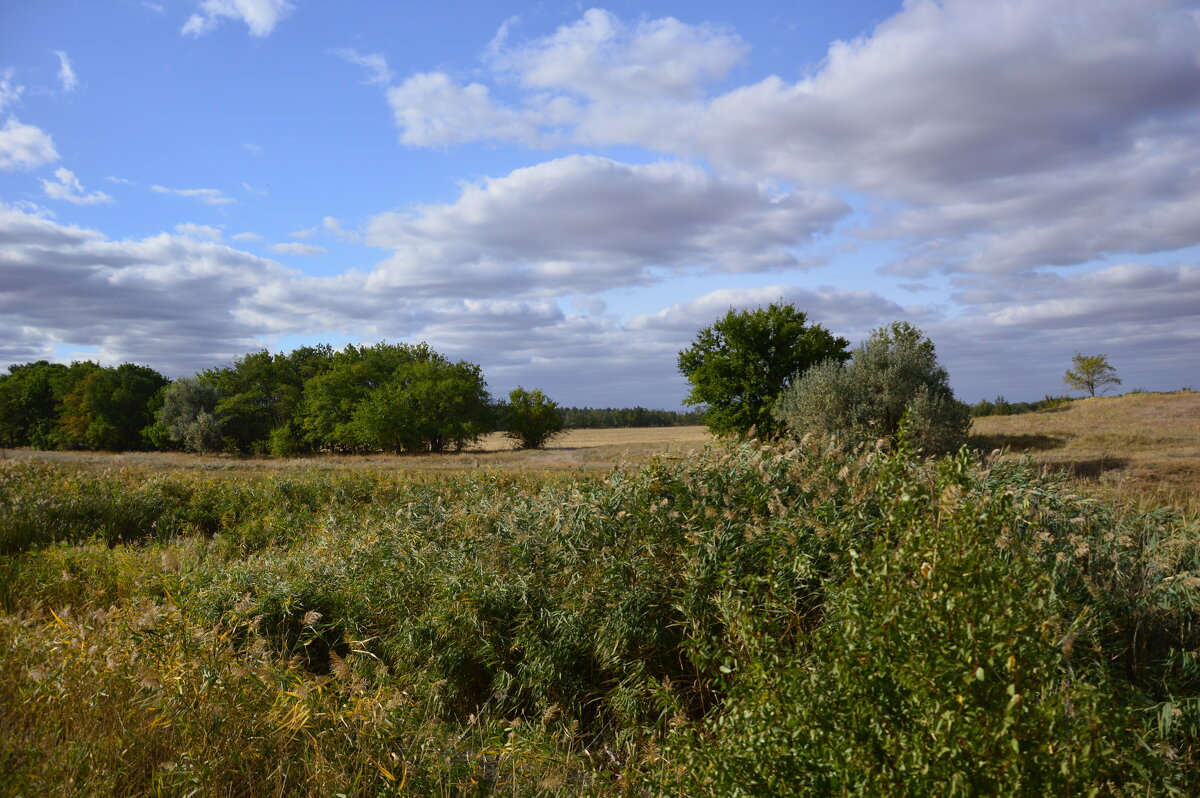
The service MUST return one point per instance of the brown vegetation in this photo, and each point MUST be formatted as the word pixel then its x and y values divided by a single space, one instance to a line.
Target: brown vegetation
pixel 581 449
pixel 1139 446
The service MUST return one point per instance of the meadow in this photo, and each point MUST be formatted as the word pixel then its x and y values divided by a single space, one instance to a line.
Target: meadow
pixel 617 615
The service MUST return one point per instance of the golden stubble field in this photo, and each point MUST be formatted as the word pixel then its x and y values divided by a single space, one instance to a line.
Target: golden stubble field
pixel 1144 447
pixel 577 450
pixel 1139 445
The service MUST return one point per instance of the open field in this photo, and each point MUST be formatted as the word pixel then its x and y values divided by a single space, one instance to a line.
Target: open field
pixel 726 620
pixel 1141 445
pixel 747 621
pixel 584 449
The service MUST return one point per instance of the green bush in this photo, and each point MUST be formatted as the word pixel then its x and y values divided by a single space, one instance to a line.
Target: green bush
pixel 752 621
pixel 892 377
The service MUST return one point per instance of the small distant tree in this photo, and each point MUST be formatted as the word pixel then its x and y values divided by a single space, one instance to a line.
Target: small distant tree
pixel 740 364
pixel 1090 372
pixel 533 419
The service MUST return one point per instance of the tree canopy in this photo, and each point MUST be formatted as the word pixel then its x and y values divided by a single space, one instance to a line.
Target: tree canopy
pixel 892 377
pixel 739 365
pixel 1090 372
pixel 532 418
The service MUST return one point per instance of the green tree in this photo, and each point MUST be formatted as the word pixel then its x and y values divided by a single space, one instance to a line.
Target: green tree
pixel 325 419
pixel 111 408
pixel 31 396
pixel 187 415
pixel 261 393
pixel 891 377
pixel 1090 372
pixel 740 364
pixel 425 406
pixel 532 418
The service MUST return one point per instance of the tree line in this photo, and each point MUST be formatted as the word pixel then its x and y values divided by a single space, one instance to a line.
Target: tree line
pixel 386 397
pixel 608 417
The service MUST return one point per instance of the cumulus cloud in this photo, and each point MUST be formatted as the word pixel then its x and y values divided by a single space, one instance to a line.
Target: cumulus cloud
pixel 989 138
pixel 260 16
pixel 209 196
pixel 66 186
pixel 604 59
pixel 66 72
pixel 585 223
pixel 25 146
pixel 246 236
pixel 578 77
pixel 296 248
pixel 178 302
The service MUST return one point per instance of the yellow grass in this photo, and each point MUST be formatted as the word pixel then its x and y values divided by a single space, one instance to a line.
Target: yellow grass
pixel 1140 446
pixel 585 449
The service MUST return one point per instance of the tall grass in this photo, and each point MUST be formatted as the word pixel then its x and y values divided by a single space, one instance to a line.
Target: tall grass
pixel 753 621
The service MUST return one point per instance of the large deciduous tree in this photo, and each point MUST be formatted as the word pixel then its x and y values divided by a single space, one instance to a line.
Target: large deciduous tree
pixel 425 406
pixel 740 364
pixel 1089 372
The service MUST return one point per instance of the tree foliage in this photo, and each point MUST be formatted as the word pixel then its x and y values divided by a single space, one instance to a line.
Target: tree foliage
pixel 111 408
pixel 891 377
pixel 740 364
pixel 1090 372
pixel 424 406
pixel 187 416
pixel 532 418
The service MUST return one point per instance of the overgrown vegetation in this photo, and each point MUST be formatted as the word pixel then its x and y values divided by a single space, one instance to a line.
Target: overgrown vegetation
pixel 892 378
pixel 754 621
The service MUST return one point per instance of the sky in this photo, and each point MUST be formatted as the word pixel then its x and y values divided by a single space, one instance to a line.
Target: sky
pixel 566 194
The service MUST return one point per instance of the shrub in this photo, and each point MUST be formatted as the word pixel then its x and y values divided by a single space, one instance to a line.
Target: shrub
pixel 892 376
pixel 532 418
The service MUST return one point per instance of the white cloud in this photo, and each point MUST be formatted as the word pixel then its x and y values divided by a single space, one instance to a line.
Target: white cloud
pixel 200 232
pixel 295 248
pixel 605 60
pixel 585 223
pixel 843 312
pixel 257 192
pixel 173 301
pixel 9 94
pixel 25 146
pixel 987 137
pixel 66 186
pixel 303 234
pixel 253 149
pixel 579 76
pixel 209 196
pixel 432 111
pixel 66 73
pixel 120 181
pixel 246 236
pixel 260 16
pixel 374 63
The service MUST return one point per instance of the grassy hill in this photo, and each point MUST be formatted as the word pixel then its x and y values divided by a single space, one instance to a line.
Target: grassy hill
pixel 1141 445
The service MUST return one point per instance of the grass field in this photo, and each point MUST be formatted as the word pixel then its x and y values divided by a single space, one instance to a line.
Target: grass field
pixel 1141 445
pixel 734 620
pixel 584 449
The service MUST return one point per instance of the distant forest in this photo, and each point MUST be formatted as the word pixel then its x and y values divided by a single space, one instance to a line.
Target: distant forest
pixel 387 397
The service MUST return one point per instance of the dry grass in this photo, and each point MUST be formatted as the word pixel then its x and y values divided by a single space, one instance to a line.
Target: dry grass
pixel 577 450
pixel 1144 447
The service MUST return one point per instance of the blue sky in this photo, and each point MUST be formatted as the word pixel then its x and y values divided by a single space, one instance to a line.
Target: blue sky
pixel 565 194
